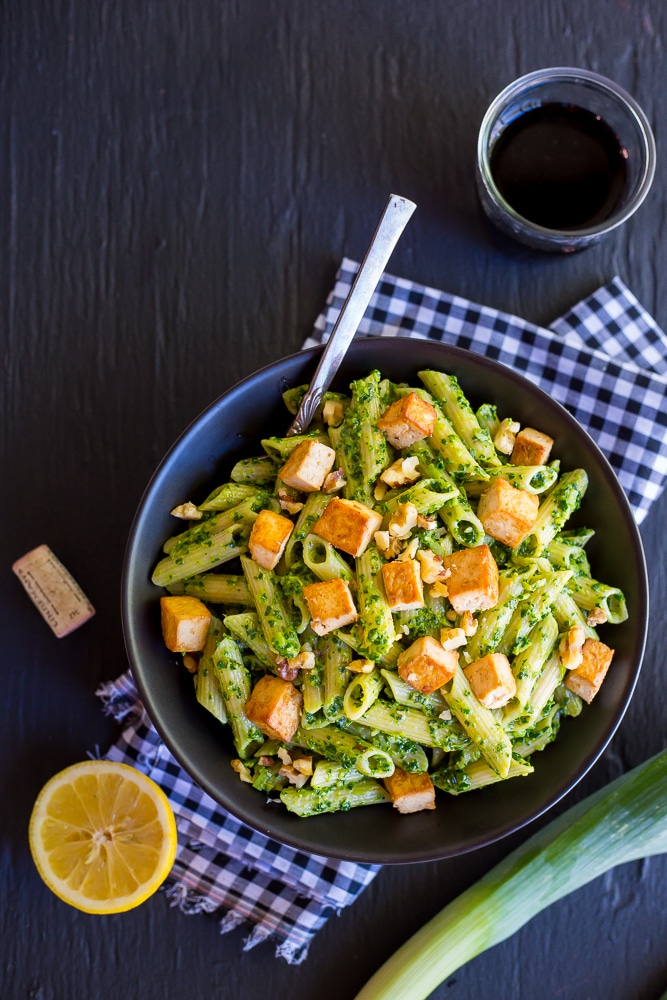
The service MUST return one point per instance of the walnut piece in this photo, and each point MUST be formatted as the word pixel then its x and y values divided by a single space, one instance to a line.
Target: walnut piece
pixel 293 776
pixel 305 660
pixel 333 412
pixel 431 566
pixel 452 638
pixel 388 546
pixel 403 521
pixel 335 481
pixel 506 436
pixel 361 666
pixel 284 670
pixel 187 512
pixel 289 502
pixel 468 623
pixel 402 472
pixel 571 647
pixel 242 770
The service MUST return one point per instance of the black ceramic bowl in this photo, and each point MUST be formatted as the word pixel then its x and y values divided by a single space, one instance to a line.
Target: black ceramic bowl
pixel 201 459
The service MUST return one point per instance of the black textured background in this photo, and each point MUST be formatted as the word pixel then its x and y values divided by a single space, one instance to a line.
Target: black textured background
pixel 179 179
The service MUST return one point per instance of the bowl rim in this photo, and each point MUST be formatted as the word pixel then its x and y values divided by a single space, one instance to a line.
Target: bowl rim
pixel 301 841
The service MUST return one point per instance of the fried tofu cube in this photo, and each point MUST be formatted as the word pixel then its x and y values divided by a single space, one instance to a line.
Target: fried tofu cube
pixel 330 604
pixel 403 585
pixel 268 538
pixel 426 665
pixel 472 584
pixel 410 792
pixel 274 706
pixel 308 466
pixel 531 447
pixel 508 514
pixel 185 622
pixel 347 525
pixel 409 419
pixel 587 678
pixel 491 680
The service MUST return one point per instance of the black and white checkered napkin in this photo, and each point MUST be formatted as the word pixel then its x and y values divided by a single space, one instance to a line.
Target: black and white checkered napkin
pixel 223 866
pixel 606 361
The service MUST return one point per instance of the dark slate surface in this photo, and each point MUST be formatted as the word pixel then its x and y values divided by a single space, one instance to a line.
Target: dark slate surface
pixel 179 181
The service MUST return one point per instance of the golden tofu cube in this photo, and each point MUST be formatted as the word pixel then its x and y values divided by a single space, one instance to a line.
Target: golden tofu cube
pixel 268 538
pixel 185 622
pixel 330 604
pixel 308 466
pixel 508 514
pixel 472 583
pixel 275 707
pixel 403 585
pixel 347 525
pixel 410 792
pixel 409 419
pixel 587 678
pixel 426 665
pixel 491 680
pixel 531 447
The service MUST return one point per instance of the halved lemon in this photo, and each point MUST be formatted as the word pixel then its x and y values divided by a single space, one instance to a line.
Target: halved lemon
pixel 103 836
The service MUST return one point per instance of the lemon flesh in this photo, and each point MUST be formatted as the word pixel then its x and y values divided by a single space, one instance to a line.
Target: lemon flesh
pixel 103 836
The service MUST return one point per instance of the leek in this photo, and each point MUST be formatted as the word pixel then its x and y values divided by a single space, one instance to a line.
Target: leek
pixel 624 821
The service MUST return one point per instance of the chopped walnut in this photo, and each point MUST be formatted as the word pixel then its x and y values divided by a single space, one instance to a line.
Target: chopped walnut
pixel 265 761
pixel 452 638
pixel 382 539
pixel 334 482
pixel 305 660
pixel 191 662
pixel 403 521
pixel 304 765
pixel 333 412
pixel 596 616
pixel 293 776
pixel 468 623
pixel 439 589
pixel 389 547
pixel 360 666
pixel 571 647
pixel 284 670
pixel 506 435
pixel 431 566
pixel 402 472
pixel 187 512
pixel 289 502
pixel 445 715
pixel 284 755
pixel 427 523
pixel 410 552
pixel 243 771
pixel 380 491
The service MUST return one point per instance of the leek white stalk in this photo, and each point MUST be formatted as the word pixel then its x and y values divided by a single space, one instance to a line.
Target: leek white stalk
pixel 624 821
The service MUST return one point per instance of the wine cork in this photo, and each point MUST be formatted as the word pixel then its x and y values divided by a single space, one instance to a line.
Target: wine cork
pixel 53 590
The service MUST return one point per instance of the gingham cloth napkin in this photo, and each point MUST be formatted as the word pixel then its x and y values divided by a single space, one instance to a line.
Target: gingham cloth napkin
pixel 606 361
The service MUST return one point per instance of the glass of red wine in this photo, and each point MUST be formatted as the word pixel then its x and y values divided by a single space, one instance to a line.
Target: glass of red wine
pixel 564 156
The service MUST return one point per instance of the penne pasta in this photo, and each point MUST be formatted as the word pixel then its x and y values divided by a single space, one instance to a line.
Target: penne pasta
pixel 425 624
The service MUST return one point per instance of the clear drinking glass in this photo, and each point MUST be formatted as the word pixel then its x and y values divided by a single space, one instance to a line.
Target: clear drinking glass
pixel 567 86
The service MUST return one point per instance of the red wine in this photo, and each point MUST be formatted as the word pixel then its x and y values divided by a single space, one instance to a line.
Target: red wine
pixel 560 166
